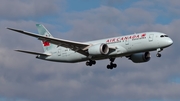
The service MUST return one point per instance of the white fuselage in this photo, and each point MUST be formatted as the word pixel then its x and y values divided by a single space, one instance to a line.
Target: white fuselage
pixel 123 46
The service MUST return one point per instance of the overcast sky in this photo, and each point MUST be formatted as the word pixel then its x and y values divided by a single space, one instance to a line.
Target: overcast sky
pixel 24 78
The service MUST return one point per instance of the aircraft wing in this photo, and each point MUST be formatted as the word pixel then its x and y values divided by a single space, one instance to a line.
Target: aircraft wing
pixel 76 46
pixel 34 53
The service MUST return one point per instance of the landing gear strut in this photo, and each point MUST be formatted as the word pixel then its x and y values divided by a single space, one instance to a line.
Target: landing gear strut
pixel 90 62
pixel 158 52
pixel 111 65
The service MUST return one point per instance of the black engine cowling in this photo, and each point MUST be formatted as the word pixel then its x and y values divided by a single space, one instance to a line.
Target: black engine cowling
pixel 99 49
pixel 140 57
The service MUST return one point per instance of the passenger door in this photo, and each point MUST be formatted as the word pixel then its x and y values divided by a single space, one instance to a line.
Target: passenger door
pixel 151 37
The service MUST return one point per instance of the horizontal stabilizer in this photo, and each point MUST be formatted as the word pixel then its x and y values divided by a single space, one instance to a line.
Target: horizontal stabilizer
pixel 34 53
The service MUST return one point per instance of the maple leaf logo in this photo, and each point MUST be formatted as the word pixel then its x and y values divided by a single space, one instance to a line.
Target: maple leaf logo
pixel 45 43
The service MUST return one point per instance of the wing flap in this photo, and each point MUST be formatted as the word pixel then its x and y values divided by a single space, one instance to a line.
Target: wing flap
pixel 31 52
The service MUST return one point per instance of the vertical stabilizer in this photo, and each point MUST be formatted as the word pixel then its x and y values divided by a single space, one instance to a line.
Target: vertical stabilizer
pixel 43 31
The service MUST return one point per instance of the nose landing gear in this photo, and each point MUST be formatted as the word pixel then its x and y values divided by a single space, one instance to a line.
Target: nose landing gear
pixel 158 52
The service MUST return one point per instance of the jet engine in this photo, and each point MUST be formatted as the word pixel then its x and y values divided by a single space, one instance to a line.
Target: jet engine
pixel 99 49
pixel 140 57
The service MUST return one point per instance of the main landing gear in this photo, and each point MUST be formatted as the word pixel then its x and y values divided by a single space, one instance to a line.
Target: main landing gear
pixel 158 52
pixel 90 62
pixel 111 65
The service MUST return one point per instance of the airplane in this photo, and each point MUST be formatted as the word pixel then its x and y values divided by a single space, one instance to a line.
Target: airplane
pixel 135 47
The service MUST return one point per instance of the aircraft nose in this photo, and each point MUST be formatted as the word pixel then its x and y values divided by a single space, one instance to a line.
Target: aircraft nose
pixel 169 42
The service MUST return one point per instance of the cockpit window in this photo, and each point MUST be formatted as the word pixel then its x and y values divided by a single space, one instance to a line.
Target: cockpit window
pixel 164 36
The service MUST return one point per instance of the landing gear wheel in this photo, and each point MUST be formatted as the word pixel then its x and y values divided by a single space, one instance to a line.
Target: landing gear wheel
pixel 111 65
pixel 108 67
pixel 90 63
pixel 93 62
pixel 158 55
pixel 114 65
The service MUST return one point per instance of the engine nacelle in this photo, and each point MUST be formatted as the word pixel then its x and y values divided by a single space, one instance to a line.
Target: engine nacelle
pixel 140 57
pixel 99 49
